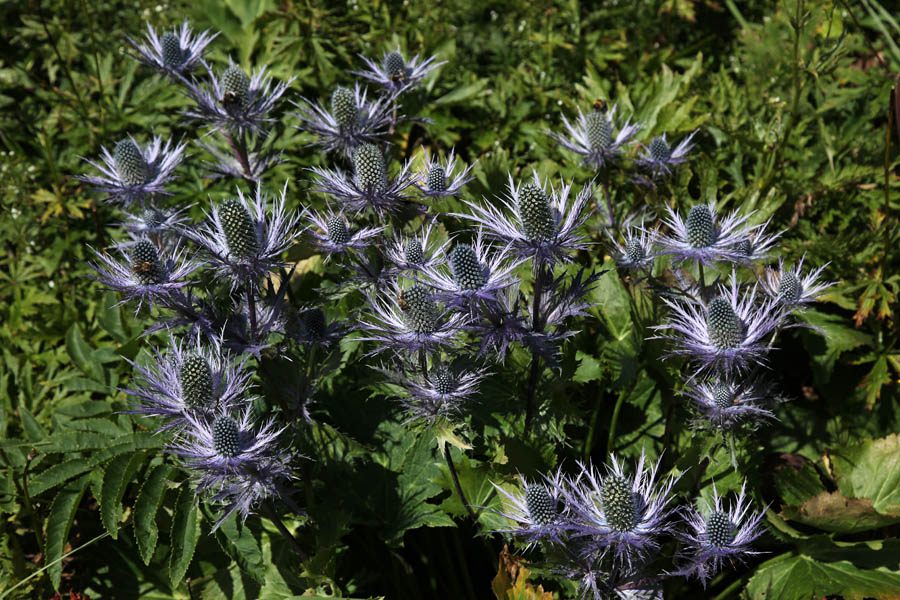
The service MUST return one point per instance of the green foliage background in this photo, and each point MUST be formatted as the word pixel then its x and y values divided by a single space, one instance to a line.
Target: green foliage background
pixel 794 102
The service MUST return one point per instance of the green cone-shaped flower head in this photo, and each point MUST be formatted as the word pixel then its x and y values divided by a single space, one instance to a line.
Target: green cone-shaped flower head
pixel 719 529
pixel 744 247
pixel 315 322
pixel 634 252
pixel 723 325
pixel 239 229
pixel 467 271
pixel 395 66
pixel 789 288
pixel 370 168
pixel 541 507
pixel 235 88
pixel 415 255
pixel 701 231
pixel 618 503
pixel 443 381
pixel 599 130
pixel 437 178
pixel 659 149
pixel 536 215
pixel 196 381
pixel 226 437
pixel 723 395
pixel 172 54
pixel 338 233
pixel 130 163
pixel 343 107
pixel 420 311
pixel 145 263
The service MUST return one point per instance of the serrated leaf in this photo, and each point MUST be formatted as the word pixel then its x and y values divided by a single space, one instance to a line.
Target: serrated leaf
pixel 461 93
pixel 589 368
pixel 110 317
pixel 242 546
pixel 184 535
pixel 117 475
pixel 59 522
pixel 57 474
pixel 149 499
pixel 33 429
pixel 870 470
pixel 80 353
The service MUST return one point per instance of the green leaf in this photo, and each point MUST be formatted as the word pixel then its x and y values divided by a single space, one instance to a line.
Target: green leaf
pixel 115 479
pixel 870 470
pixel 461 93
pixel 59 522
pixel 791 577
pixel 110 318
pixel 149 499
pixel 184 535
pixel 57 474
pixel 80 352
pixel 32 428
pixel 242 546
pixel 589 368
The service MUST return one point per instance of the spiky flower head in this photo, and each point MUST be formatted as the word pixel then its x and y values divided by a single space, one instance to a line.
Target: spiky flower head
pixel 542 508
pixel 226 436
pixel 349 120
pixel 196 379
pixel 244 236
pixel 440 395
pixel 419 308
pixel 442 179
pixel 729 333
pixel 535 220
pixel 704 236
pixel 132 172
pixel 175 53
pixel 370 168
pixel 616 514
pixel 188 377
pixel 724 328
pixel 467 271
pixel 594 136
pixel 334 233
pixel 396 75
pixel 726 402
pixel 659 157
pixel 234 101
pixel 418 250
pixel 537 511
pixel 718 535
pixel 343 107
pixel 337 230
pixel 414 253
pixel 145 263
pixel 791 288
pixel 238 228
pixel 154 222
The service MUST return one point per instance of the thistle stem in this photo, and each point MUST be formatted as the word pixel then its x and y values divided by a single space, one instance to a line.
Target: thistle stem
pixel 240 153
pixel 611 440
pixel 251 305
pixel 537 326
pixel 270 513
pixel 455 478
pixel 702 281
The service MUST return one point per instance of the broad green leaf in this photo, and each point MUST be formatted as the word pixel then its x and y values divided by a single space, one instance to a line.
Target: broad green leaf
pixel 238 541
pixel 832 511
pixel 461 93
pixel 613 302
pixel 57 474
pixel 91 408
pixel 77 441
pixel 32 428
pixel 870 470
pixel 589 368
pixel 62 512
pixel 792 577
pixel 149 499
pixel 184 535
pixel 80 353
pixel 116 477
pixel 110 317
pixel 797 480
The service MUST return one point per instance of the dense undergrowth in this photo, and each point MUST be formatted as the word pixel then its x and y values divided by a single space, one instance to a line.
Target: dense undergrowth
pixel 793 104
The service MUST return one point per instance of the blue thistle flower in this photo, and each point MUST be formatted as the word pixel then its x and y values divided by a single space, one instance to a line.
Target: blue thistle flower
pixel 259 159
pixel 315 328
pixel 703 236
pixel 538 511
pixel 243 491
pixel 152 221
pixel 536 222
pixel 718 534
pixel 619 515
pixel 351 120
pixel 188 378
pixel 234 102
pixel 502 322
pixel 244 238
pixel 437 179
pixel 394 74
pixel 417 251
pixel 144 272
pixel 176 53
pixel 409 320
pixel 637 250
pixel 370 186
pixel 594 136
pixel 332 233
pixel 791 289
pixel 659 158
pixel 726 334
pixel 441 395
pixel 725 402
pixel 132 173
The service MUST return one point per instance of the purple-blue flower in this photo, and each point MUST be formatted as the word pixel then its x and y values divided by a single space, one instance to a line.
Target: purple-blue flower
pixel 251 166
pixel 188 378
pixel 595 138
pixel 539 511
pixel 176 52
pixel 790 288
pixel 728 333
pixel 637 250
pixel 132 172
pixel 718 535
pixel 437 179
pixel 618 515
pixel 394 74
pixel 419 250
pixel 244 237
pixel 154 222
pixel 233 102
pixel 352 119
pixel 441 394
pixel 534 221
pixel 333 233
pixel 726 402
pixel 704 236
pixel 659 157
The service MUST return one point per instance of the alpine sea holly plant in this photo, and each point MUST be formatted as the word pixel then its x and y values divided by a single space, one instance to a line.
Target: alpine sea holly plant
pixel 385 336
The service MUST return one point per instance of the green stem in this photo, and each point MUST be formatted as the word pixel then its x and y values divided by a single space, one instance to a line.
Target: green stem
pixel 458 487
pixel 735 585
pixel 615 418
pixel 270 513
pixel 537 326
pixel 90 21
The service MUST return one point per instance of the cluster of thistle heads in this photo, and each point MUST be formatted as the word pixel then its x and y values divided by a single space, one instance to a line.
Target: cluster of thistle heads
pixel 439 309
